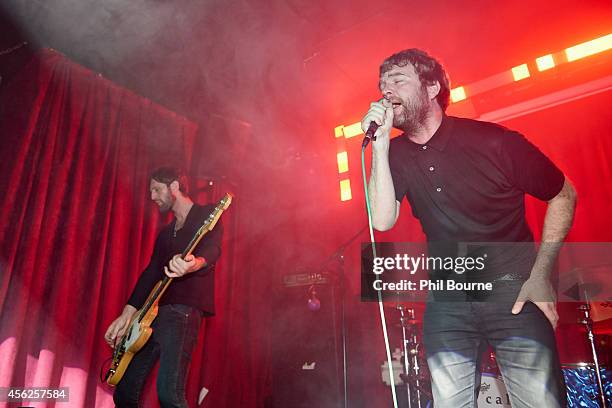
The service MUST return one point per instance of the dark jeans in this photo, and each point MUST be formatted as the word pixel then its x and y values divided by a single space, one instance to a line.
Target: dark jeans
pixel 175 332
pixel 455 334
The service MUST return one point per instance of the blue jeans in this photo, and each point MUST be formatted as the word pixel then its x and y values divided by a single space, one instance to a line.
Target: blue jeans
pixel 455 334
pixel 175 332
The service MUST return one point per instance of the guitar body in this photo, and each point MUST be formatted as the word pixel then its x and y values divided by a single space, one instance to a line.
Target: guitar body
pixel 127 356
pixel 140 330
pixel 136 337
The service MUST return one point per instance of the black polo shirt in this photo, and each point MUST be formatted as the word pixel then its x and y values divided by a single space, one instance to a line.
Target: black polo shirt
pixel 467 183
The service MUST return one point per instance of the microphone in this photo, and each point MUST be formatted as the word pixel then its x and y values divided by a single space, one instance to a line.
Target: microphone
pixel 369 135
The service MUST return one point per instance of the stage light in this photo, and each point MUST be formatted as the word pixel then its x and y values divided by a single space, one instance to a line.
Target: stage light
pixel 339 131
pixel 342 162
pixel 345 190
pixel 520 72
pixel 458 94
pixel 545 62
pixel 589 48
pixel 353 130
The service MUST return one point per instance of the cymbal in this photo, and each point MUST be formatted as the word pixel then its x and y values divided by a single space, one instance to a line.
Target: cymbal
pixel 586 283
pixel 583 291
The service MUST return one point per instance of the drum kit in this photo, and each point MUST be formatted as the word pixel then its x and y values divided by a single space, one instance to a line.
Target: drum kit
pixel 589 384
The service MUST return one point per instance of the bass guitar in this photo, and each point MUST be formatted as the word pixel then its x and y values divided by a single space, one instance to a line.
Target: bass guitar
pixel 140 329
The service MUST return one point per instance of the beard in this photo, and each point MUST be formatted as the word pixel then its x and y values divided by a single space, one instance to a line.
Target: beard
pixel 164 207
pixel 413 114
pixel 165 203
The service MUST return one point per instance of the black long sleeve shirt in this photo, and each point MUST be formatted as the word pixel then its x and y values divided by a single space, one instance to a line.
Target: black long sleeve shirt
pixel 194 289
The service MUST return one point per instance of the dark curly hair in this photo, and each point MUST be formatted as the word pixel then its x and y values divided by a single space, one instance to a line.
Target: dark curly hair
pixel 167 175
pixel 427 68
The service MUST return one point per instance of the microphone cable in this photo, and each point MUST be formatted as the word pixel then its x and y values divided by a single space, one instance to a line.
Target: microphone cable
pixel 383 321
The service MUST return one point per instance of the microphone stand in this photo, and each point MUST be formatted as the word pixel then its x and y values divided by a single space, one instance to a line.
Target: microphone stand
pixel 339 256
pixel 588 324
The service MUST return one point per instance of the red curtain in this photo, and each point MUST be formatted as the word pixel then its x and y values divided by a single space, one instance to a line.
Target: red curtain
pixel 77 224
pixel 78 227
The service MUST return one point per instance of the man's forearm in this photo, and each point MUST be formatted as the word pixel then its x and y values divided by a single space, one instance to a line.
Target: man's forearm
pixel 129 310
pixel 382 193
pixel 557 222
pixel 200 263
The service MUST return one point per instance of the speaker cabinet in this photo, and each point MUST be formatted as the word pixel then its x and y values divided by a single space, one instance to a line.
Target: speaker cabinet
pixel 307 347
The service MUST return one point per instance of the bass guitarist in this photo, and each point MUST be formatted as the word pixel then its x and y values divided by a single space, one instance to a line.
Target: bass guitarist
pixel 182 306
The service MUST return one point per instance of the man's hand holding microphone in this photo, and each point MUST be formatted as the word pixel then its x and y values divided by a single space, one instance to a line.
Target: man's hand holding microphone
pixel 380 112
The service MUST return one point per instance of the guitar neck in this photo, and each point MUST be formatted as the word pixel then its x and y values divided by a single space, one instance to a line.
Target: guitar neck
pixel 154 297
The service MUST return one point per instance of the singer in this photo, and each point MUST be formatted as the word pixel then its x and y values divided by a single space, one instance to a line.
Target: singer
pixel 465 181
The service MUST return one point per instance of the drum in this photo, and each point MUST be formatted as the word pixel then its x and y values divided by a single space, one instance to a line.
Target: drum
pixel 492 392
pixel 582 388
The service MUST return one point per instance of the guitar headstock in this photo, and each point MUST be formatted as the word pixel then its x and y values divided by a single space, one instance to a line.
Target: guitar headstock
pixel 225 202
pixel 215 215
